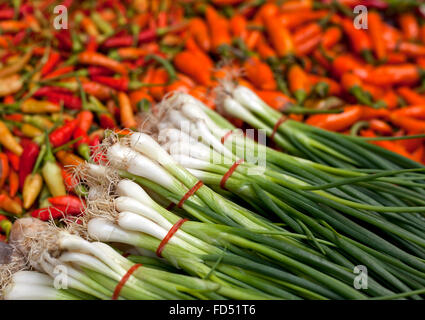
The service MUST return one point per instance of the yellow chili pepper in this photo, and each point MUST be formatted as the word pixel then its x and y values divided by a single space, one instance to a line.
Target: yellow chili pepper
pixel 36 106
pixel 8 140
pixel 10 85
pixel 32 188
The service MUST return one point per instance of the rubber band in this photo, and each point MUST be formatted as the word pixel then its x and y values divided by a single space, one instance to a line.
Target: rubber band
pixel 281 120
pixel 190 193
pixel 229 173
pixel 169 235
pixel 224 138
pixel 124 279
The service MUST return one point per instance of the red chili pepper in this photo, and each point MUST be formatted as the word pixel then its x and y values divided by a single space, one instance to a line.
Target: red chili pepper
pixel 16 117
pixel 54 212
pixel 69 101
pixel 118 41
pixel 59 72
pixel 82 144
pixel 92 44
pixel 19 37
pixel 45 91
pixel 30 154
pixel 53 60
pixel 73 204
pixel 7 13
pixel 120 84
pixel 63 134
pixel 99 71
pixel 14 159
pixel 64 39
pixel 106 121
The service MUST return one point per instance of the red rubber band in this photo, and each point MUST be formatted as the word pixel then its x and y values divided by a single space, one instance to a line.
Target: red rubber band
pixel 169 235
pixel 224 138
pixel 190 193
pixel 124 279
pixel 229 173
pixel 281 120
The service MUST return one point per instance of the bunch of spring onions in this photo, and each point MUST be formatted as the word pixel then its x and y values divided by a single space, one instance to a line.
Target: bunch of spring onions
pixel 226 255
pixel 69 267
pixel 375 220
pixel 312 242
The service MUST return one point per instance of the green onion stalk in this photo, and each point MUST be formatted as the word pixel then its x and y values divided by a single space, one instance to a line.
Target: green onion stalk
pixel 91 269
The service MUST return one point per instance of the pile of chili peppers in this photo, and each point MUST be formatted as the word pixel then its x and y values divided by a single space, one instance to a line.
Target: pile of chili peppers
pixel 64 81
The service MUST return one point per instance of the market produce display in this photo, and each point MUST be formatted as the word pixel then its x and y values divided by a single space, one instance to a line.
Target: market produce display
pixel 127 162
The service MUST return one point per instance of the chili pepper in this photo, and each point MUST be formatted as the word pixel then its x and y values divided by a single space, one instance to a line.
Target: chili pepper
pixel 411 96
pixel 330 37
pixel 53 60
pixel 68 158
pixel 48 213
pixel 375 33
pixel 219 29
pixel 98 90
pixel 409 26
pixel 306 31
pixel 73 204
pixel 126 111
pixel 98 59
pixel 13 183
pixel 31 189
pixel 83 144
pixel 120 84
pixel 37 106
pixel 85 120
pixel 10 84
pixel 4 166
pixel 106 121
pixel 390 99
pixel 59 72
pixel 51 173
pixel 63 134
pixel 307 46
pixel 30 154
pixel 199 31
pixel 380 126
pixel 280 37
pixel 336 122
pixel 359 39
pixel 299 83
pixel 188 63
pixel 392 75
pixel 411 124
pixel 171 73
pixel 194 48
pixel 5 225
pixel 417 112
pixel 14 159
pixel 411 49
pixel 333 87
pixel 274 99
pixel 10 205
pixel 353 84
pixel 260 74
pixel 8 141
pixel 69 101
pixel 160 76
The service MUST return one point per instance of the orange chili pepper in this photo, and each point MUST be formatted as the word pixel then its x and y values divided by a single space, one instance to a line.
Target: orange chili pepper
pixel 260 74
pixel 411 96
pixel 274 99
pixel 13 183
pixel 4 169
pixel 380 126
pixel 409 26
pixel 68 158
pixel 238 26
pixel 219 28
pixel 199 31
pixel 299 83
pixel 331 36
pixel 98 59
pixel 417 112
pixel 406 123
pixel 191 64
pixel 279 37
pixel 126 111
pixel 375 32
pixel 336 122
